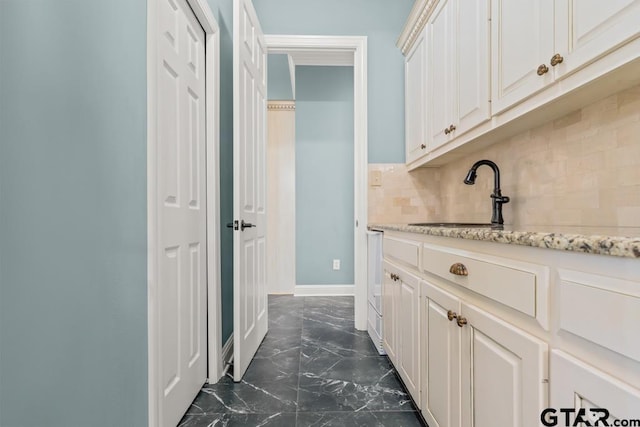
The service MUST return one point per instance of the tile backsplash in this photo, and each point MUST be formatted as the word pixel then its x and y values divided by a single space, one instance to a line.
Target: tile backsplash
pixel 582 169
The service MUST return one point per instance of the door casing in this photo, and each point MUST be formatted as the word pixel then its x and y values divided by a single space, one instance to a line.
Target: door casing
pixel 206 19
pixel 343 51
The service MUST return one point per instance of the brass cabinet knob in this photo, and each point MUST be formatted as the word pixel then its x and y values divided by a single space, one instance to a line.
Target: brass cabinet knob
pixel 393 277
pixel 452 128
pixel 451 315
pixel 556 59
pixel 462 321
pixel 459 269
pixel 542 69
pixel 423 146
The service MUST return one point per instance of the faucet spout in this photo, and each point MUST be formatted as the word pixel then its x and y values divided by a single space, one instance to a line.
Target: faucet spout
pixel 497 198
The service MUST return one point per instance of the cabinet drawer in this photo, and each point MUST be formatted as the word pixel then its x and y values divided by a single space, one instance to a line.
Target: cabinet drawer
pixel 404 251
pixel 603 310
pixel 512 283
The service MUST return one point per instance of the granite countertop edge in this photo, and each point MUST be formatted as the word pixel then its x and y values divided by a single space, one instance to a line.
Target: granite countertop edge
pixel 627 247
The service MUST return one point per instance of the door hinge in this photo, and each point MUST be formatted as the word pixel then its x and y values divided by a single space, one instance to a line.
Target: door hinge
pixel 233 225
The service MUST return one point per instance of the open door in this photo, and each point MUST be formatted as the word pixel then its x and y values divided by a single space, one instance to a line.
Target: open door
pixel 249 188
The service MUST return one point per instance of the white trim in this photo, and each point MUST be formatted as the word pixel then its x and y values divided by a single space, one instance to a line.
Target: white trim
pixel 358 46
pixel 212 51
pixel 292 76
pixel 227 351
pixel 323 290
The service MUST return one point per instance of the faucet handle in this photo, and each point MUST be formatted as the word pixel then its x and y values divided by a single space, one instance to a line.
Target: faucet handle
pixel 500 198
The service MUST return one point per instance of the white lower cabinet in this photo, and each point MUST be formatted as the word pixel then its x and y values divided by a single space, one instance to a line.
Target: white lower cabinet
pixel 409 333
pixel 478 370
pixel 590 393
pixel 390 293
pixel 441 362
pixel 401 325
pixel 504 372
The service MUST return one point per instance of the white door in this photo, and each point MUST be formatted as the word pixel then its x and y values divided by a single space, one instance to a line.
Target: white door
pixel 249 187
pixel 181 208
pixel 521 41
pixel 440 358
pixel 504 373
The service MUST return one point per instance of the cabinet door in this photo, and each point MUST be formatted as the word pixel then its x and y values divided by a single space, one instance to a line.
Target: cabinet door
pixel 409 333
pixel 577 385
pixel 472 63
pixel 587 29
pixel 521 40
pixel 415 100
pixel 390 292
pixel 504 373
pixel 441 99
pixel 440 358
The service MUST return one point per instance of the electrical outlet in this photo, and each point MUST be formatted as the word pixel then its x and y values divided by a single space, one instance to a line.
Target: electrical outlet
pixel 336 264
pixel 376 178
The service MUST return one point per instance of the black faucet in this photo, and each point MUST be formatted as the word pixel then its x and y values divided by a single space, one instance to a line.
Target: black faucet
pixel 498 199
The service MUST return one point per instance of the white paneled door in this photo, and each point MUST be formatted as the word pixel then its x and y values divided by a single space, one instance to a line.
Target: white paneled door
pixel 249 187
pixel 181 207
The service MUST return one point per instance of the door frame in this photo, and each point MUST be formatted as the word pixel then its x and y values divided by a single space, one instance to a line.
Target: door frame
pixel 205 17
pixel 345 51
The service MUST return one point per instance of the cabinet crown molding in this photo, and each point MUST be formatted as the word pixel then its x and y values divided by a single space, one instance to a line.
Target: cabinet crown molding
pixel 415 24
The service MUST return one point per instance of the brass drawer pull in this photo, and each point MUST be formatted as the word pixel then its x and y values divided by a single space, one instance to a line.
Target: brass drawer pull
pixel 447 131
pixel 556 59
pixel 395 277
pixel 451 315
pixel 542 69
pixel 423 146
pixel 459 269
pixel 462 321
pixel 452 128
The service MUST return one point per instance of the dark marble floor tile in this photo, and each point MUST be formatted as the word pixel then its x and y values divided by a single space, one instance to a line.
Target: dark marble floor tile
pixel 245 398
pixel 350 384
pixel 329 341
pixel 239 420
pixel 359 370
pixel 359 419
pixel 281 343
pixel 276 370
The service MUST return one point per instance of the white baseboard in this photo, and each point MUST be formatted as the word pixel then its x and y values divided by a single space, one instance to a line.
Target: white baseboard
pixel 323 290
pixel 227 351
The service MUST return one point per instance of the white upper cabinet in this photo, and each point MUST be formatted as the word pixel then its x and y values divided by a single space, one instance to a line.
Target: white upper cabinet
pixel 416 99
pixel 458 69
pixel 472 62
pixel 496 67
pixel 441 47
pixel 588 29
pixel 522 43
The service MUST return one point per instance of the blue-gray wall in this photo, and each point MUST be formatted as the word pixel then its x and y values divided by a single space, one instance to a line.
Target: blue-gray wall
pixel 324 175
pixel 382 22
pixel 278 77
pixel 223 12
pixel 73 195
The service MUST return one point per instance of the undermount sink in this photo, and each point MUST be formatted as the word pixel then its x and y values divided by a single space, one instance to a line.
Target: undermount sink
pixel 454 225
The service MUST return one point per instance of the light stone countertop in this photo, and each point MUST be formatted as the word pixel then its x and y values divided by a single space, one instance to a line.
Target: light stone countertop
pixel 613 241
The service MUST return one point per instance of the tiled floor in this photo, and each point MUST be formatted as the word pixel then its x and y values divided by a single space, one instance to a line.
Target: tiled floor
pixel 313 369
